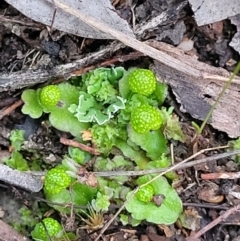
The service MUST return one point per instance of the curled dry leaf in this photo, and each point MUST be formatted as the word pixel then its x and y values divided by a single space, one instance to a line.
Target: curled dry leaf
pixel 167 230
pixel 233 195
pixel 210 193
pixel 87 178
pixel 190 219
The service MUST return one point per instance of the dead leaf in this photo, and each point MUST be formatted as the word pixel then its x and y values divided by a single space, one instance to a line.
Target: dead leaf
pixel 144 238
pixel 158 199
pixel 167 230
pixel 212 11
pixel 197 95
pixel 87 178
pixel 102 10
pixel 232 194
pixel 156 237
pixel 235 43
pixel 190 219
pixel 209 193
pixel 87 135
pixel 212 31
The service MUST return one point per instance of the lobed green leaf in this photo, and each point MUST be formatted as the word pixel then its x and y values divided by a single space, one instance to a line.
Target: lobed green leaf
pixel 153 142
pixel 31 105
pixel 167 213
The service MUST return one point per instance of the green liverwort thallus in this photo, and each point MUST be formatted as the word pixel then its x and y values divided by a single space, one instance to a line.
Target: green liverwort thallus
pixel 52 226
pixel 56 180
pixel 49 95
pixel 142 81
pixel 145 194
pixel 145 118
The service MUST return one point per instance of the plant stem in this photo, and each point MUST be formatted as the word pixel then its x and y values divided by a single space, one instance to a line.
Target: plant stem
pixel 225 87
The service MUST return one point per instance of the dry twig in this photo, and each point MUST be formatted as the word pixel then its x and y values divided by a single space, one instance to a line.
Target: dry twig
pixel 154 171
pixel 218 220
pixel 223 175
pixel 179 166
pixel 77 144
pixel 11 108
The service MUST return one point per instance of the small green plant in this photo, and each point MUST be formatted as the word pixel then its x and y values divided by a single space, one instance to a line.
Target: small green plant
pixel 17 139
pixel 78 155
pixel 122 116
pixel 145 118
pixel 141 207
pixel 235 145
pixel 142 81
pixel 101 203
pixel 16 160
pixel 59 179
pixel 59 115
pixel 163 162
pixel 56 180
pixel 49 96
pixel 99 100
pixel 46 230
pixel 145 194
pixel 24 219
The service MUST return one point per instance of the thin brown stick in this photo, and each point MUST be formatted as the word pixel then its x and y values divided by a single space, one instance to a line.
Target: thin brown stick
pixel 222 175
pixel 79 145
pixel 155 171
pixel 11 108
pixel 14 19
pixel 214 223
pixel 108 62
pixel 205 205
pixel 175 167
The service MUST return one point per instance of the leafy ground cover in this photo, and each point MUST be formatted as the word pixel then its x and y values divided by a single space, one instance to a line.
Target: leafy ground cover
pixel 108 108
pixel 127 128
